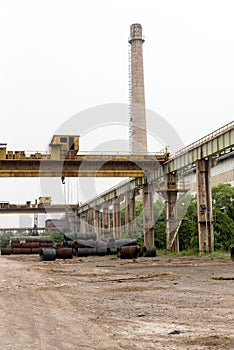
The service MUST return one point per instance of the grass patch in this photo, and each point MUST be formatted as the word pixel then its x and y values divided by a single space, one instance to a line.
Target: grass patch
pixel 216 254
pixel 219 254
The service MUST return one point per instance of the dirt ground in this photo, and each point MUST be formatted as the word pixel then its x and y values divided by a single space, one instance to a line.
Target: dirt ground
pixel 106 303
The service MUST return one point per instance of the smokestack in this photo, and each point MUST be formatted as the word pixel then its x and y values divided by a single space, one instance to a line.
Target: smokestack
pixel 138 136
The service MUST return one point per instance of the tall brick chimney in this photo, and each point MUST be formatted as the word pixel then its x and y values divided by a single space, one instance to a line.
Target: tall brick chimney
pixel 138 135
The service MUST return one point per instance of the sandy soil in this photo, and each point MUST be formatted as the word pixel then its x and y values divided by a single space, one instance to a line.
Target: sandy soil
pixel 105 303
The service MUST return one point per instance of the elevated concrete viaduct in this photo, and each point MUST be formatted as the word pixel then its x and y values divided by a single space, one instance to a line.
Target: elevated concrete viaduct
pixel 170 179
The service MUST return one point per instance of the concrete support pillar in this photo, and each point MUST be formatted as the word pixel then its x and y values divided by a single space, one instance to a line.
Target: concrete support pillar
pixel 83 222
pixel 73 222
pixel 116 218
pixel 78 223
pixel 148 221
pixel 204 206
pixel 172 237
pixel 130 213
pixel 97 223
pixel 90 220
pixel 105 221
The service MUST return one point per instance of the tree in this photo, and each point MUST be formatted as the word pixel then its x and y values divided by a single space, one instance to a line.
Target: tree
pixel 160 225
pixel 187 235
pixel 223 230
pixel 223 210
pixel 223 199
pixel 188 231
pixel 4 241
pixel 56 236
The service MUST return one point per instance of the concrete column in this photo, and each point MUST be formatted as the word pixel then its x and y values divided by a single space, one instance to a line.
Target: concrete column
pixel 105 221
pixel 97 223
pixel 172 237
pixel 83 222
pixel 148 222
pixel 76 223
pixel 116 218
pixel 90 220
pixel 73 222
pixel 130 213
pixel 204 206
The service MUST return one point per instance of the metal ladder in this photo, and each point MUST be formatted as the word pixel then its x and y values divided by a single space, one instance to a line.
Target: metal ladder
pixel 130 97
pixel 170 244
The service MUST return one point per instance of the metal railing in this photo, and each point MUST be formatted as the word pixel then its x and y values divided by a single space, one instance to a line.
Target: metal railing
pixel 205 139
pixel 106 192
pixel 126 153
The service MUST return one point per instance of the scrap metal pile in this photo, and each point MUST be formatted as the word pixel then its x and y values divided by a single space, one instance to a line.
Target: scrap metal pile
pixel 77 244
pixel 85 244
pixel 27 245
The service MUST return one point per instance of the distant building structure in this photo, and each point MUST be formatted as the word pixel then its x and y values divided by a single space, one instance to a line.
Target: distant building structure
pixel 56 224
pixel 25 220
pixel 41 220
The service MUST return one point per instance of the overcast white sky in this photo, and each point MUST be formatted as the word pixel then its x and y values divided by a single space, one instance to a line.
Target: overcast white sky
pixel 61 57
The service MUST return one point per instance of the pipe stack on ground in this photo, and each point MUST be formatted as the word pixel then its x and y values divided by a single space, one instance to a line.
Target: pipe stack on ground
pixel 27 245
pixel 51 254
pixel 72 237
pixel 96 247
pixel 47 254
pixel 148 251
pixel 128 252
pixel 64 253
pixel 6 251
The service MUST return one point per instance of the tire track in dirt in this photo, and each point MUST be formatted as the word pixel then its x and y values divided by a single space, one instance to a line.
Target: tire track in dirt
pixel 17 328
pixel 70 328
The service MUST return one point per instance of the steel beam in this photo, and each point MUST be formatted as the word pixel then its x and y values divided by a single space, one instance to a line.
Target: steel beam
pixel 49 209
pixel 93 166
pixel 5 229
